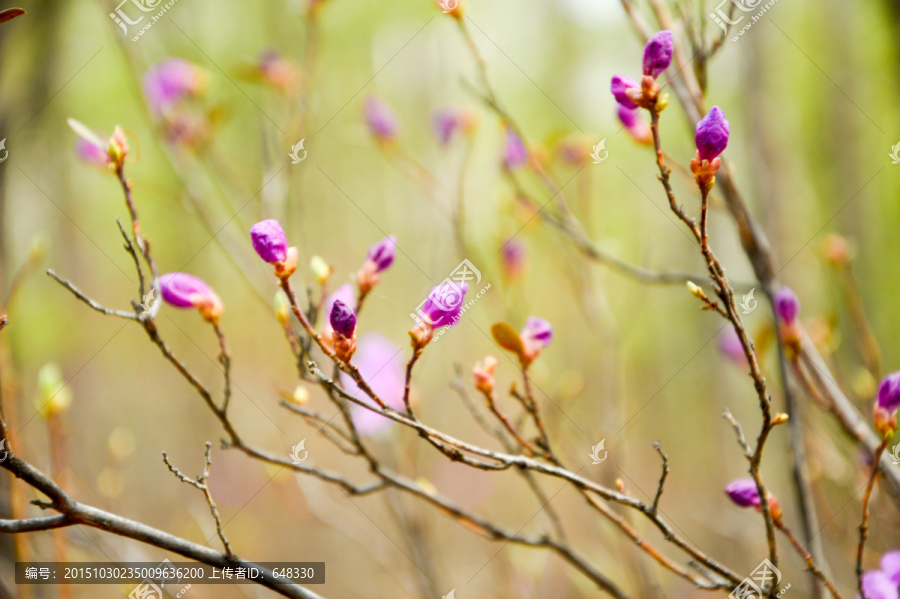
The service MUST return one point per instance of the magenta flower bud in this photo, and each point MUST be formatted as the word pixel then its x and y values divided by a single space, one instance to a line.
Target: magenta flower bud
pixel 380 119
pixel 445 123
pixel 91 152
pixel 618 87
pixel 515 154
pixel 712 134
pixel 889 393
pixel 171 80
pixel 878 585
pixel 513 256
pixel 637 128
pixel 658 54
pixel 743 492
pixel 382 253
pixel 186 291
pixel 538 330
pixel 787 306
pixel 342 318
pixel 269 241
pixel 444 303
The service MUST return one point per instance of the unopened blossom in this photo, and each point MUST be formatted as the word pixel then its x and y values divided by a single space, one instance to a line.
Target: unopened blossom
pixel 636 127
pixel 54 395
pixel 618 87
pixel 270 243
pixel 278 71
pixel 380 364
pixel 515 154
pixel 513 252
pixel 442 308
pixel 743 492
pixel 445 122
pixel 187 291
pixel 378 259
pixel 787 306
pixel 343 324
pixel 380 119
pixel 658 54
pixel 118 147
pixel 345 295
pixel 171 80
pixel 887 403
pixel 91 152
pixel 537 334
pixel 712 134
pixel 483 373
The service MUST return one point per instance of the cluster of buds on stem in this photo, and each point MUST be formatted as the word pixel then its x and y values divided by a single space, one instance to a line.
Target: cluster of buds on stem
pixel 885 411
pixel 787 308
pixel 657 58
pixel 483 373
pixel 379 258
pixel 343 334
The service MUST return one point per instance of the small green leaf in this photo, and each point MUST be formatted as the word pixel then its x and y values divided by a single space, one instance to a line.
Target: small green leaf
pixel 507 338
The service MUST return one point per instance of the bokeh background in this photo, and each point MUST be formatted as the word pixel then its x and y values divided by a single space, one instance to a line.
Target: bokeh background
pixel 810 91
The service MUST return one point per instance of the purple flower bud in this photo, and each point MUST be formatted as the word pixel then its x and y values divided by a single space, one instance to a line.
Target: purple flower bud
pixel 382 253
pixel 269 241
pixel 343 319
pixel 515 154
pixel 445 123
pixel 380 119
pixel 712 134
pixel 618 87
pixel 743 492
pixel 170 80
pixel 889 393
pixel 538 331
pixel 444 303
pixel 637 128
pixel 878 585
pixel 890 565
pixel 344 294
pixel 513 256
pixel 787 306
pixel 186 291
pixel 658 54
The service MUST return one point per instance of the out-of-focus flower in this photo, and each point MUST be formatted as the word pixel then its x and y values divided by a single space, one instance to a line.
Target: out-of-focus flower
pixel 890 565
pixel 483 373
pixel 187 291
pixel 619 87
pixel 169 81
pixel 730 345
pixel 54 396
pixel 343 325
pixel 712 134
pixel 320 269
pixel 91 153
pixel 837 250
pixel 270 243
pixel 282 307
pixel 445 123
pixel 637 127
pixel 380 119
pixel 787 305
pixel 379 362
pixel 118 147
pixel 575 149
pixel 877 585
pixel 513 253
pixel 379 258
pixel 743 492
pixel 279 72
pixel 515 154
pixel 300 396
pixel 887 403
pixel 537 334
pixel 658 54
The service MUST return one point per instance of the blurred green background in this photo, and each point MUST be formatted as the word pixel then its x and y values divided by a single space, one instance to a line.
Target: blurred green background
pixel 811 94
